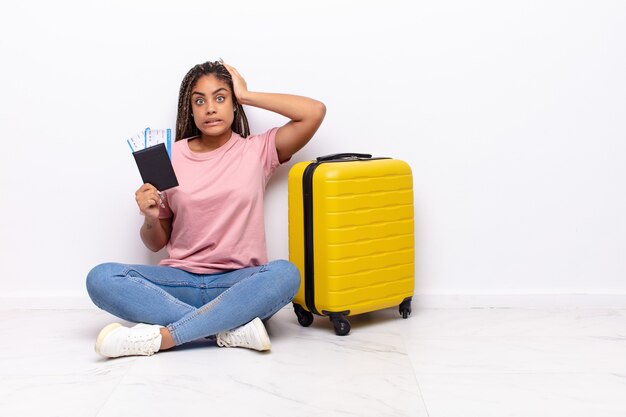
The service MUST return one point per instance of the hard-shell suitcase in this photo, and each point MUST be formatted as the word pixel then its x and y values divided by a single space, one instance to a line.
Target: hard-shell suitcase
pixel 351 236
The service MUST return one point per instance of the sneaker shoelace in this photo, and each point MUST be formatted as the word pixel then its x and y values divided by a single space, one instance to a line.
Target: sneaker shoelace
pixel 233 338
pixel 138 344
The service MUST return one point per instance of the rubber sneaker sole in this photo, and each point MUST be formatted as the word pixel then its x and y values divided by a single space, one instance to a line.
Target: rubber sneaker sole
pixel 266 344
pixel 103 333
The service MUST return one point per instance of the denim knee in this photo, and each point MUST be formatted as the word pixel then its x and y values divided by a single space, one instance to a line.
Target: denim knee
pixel 98 279
pixel 289 276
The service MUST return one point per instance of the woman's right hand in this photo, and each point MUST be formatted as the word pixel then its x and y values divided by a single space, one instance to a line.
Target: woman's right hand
pixel 148 199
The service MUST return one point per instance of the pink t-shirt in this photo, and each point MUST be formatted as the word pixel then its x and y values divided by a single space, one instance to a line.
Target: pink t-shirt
pixel 217 208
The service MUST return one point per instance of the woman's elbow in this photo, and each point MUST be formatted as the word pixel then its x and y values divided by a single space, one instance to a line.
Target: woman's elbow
pixel 155 249
pixel 320 111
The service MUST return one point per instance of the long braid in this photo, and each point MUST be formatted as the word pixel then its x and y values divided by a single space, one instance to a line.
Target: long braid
pixel 185 125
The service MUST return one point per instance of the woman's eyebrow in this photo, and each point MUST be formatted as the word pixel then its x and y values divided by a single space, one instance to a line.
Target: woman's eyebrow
pixel 214 92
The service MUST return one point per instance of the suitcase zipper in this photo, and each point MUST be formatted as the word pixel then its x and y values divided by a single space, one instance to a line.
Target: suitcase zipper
pixel 309 271
pixel 307 194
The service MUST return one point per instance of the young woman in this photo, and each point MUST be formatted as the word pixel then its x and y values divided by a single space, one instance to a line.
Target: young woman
pixel 217 280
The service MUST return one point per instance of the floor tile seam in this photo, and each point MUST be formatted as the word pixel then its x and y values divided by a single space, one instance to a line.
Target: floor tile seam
pixel 415 375
pixel 119 382
pixel 156 383
pixel 60 375
pixel 511 373
pixel 108 397
pixel 310 375
pixel 613 338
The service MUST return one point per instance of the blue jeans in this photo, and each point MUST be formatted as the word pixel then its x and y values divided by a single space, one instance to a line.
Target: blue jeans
pixel 192 306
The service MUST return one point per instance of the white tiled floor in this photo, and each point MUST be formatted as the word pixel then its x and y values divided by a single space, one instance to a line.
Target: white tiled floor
pixel 438 363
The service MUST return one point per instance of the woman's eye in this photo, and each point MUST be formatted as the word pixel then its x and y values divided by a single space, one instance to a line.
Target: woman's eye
pixel 199 102
pixel 220 99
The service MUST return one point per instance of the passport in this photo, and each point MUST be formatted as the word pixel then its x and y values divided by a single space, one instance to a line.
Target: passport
pixel 155 167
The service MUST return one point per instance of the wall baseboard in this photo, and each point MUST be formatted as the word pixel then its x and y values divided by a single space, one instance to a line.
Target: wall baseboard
pixel 520 300
pixel 72 301
pixel 46 301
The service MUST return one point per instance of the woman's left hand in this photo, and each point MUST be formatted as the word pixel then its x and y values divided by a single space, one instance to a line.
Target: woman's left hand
pixel 239 84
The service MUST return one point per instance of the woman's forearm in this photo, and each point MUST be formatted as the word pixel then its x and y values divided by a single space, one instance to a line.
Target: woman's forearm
pixel 153 235
pixel 296 108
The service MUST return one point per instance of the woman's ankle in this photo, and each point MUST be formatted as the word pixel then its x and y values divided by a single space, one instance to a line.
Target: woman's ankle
pixel 167 342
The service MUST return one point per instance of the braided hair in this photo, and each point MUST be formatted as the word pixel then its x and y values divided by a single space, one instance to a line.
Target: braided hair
pixel 185 125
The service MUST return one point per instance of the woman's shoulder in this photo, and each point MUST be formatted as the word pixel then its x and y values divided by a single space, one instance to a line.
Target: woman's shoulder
pixel 264 136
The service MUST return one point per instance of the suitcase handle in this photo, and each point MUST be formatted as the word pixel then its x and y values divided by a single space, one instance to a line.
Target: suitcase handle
pixel 348 155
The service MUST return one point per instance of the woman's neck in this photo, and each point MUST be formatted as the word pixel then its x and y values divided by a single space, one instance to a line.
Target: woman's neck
pixel 204 143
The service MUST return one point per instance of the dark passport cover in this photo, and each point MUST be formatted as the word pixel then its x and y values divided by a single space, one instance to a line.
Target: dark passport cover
pixel 155 167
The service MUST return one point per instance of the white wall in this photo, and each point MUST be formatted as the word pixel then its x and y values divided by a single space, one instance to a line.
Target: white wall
pixel 512 115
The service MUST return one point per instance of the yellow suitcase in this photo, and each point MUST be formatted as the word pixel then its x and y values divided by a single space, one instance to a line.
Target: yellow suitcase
pixel 351 236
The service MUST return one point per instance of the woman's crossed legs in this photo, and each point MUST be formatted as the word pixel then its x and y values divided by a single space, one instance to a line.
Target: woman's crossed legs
pixel 187 306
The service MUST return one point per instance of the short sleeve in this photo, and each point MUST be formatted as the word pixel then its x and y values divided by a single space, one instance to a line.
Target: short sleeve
pixel 267 151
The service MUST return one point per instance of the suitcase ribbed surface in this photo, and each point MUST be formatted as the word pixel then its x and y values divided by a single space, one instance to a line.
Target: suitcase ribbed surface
pixel 363 249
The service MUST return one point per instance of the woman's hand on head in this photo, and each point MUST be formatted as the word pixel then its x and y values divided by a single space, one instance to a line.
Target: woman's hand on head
pixel 239 84
pixel 148 199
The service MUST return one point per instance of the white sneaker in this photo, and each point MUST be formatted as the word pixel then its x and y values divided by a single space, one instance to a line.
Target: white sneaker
pixel 116 340
pixel 252 336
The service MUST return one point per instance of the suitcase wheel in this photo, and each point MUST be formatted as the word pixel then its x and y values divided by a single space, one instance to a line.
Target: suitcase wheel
pixel 405 307
pixel 341 324
pixel 305 318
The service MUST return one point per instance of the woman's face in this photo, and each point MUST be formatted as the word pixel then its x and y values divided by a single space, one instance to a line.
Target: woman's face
pixel 212 106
